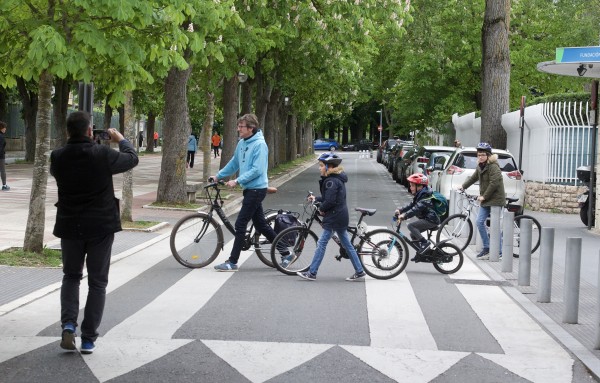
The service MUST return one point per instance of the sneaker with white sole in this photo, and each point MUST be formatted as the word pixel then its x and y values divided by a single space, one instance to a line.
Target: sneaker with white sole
pixel 356 276
pixel 306 275
pixel 68 337
pixel 484 254
pixel 87 346
pixel 227 266
pixel 288 260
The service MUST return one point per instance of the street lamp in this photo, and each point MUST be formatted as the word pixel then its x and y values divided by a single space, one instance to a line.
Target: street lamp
pixel 380 124
pixel 242 77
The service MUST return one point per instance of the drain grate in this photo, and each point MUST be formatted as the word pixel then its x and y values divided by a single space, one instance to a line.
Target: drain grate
pixel 477 282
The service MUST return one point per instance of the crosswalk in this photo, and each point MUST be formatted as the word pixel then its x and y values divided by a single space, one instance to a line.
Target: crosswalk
pixel 405 342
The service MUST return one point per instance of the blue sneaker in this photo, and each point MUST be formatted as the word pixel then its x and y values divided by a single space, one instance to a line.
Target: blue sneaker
pixel 306 275
pixel 288 260
pixel 68 337
pixel 87 346
pixel 356 276
pixel 227 266
pixel 484 255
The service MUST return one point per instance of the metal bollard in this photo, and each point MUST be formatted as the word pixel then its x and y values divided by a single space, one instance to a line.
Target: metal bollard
pixel 476 237
pixel 525 253
pixel 544 292
pixel 572 277
pixel 597 344
pixel 507 241
pixel 454 196
pixel 495 233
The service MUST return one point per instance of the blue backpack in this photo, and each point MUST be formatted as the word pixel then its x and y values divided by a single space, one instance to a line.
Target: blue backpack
pixel 440 204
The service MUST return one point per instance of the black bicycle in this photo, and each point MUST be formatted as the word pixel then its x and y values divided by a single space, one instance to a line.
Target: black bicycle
pixel 197 239
pixel 382 252
pixel 446 257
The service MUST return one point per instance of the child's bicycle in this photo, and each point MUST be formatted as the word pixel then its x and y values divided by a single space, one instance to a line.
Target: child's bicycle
pixel 382 252
pixel 459 227
pixel 197 239
pixel 445 257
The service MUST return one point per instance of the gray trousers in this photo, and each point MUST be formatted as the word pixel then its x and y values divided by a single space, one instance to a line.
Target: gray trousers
pixel 3 170
pixel 419 226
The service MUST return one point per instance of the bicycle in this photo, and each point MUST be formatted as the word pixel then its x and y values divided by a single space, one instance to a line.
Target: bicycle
pixel 445 257
pixel 379 250
pixel 197 239
pixel 460 228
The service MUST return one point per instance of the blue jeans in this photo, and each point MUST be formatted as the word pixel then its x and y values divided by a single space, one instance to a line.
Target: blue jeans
pixel 251 210
pixel 346 244
pixel 484 213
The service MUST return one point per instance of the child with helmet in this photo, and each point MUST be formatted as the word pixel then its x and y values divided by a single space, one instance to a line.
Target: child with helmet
pixel 334 210
pixel 491 191
pixel 422 208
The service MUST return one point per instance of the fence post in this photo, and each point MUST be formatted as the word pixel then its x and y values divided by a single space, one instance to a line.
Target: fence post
pixel 525 253
pixel 544 292
pixel 495 233
pixel 507 241
pixel 572 275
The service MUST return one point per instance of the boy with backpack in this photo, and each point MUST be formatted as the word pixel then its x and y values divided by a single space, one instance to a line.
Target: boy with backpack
pixel 424 206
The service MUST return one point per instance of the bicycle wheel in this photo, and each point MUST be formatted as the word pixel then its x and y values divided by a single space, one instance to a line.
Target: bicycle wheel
pixel 383 253
pixel 536 230
pixel 261 244
pixel 300 242
pixel 458 228
pixel 196 240
pixel 448 258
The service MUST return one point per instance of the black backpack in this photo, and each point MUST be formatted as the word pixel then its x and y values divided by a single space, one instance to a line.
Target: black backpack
pixel 283 220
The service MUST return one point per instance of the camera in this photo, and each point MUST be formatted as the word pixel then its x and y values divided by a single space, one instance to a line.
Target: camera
pixel 102 135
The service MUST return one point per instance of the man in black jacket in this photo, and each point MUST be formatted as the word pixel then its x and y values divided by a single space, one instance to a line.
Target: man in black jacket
pixel 87 217
pixel 5 187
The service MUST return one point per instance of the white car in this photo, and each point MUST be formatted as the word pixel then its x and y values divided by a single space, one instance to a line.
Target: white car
pixel 423 155
pixel 461 166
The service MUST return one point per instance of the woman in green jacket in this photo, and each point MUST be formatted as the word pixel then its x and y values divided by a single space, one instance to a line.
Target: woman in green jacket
pixel 491 191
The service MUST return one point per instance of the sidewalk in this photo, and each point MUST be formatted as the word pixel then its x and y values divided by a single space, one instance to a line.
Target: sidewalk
pixel 21 285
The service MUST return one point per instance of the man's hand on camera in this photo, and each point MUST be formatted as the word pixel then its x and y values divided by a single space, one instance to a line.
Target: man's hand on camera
pixel 115 135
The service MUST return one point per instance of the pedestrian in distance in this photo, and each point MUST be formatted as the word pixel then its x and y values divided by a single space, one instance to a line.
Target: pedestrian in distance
pixel 87 217
pixel 192 147
pixel 216 143
pixel 457 144
pixel 155 139
pixel 140 139
pixel 334 210
pixel 422 208
pixel 5 187
pixel 491 191
pixel 251 160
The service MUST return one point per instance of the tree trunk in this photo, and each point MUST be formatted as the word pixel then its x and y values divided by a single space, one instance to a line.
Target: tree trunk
pixel 177 128
pixel 127 193
pixel 263 95
pixel 496 71
pixel 207 133
pixel 3 104
pixel 34 232
pixel 108 112
pixel 30 110
pixel 291 136
pixel 150 126
pixel 246 101
pixel 271 125
pixel 61 104
pixel 230 111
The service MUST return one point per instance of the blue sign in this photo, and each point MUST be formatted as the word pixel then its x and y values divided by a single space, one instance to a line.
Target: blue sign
pixel 578 55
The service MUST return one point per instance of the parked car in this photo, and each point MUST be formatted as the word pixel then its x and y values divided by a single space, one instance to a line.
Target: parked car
pixel 325 144
pixel 350 146
pixel 386 148
pixel 462 164
pixel 401 163
pixel 419 163
pixel 364 145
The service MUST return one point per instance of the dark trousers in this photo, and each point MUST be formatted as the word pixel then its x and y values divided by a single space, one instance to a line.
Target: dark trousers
pixel 216 150
pixel 3 171
pixel 190 158
pixel 97 261
pixel 419 226
pixel 251 210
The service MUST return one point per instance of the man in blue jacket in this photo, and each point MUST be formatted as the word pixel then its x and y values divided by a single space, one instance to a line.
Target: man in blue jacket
pixel 251 159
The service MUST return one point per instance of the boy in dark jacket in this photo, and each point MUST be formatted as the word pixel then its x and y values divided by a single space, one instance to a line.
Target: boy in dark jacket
pixel 335 212
pixel 422 208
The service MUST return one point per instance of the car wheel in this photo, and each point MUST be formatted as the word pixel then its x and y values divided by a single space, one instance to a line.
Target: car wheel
pixel 332 148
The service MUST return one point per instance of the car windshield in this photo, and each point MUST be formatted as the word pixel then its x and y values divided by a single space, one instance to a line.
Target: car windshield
pixel 468 160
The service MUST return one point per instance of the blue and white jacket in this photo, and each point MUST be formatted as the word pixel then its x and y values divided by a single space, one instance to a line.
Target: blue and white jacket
pixel 251 159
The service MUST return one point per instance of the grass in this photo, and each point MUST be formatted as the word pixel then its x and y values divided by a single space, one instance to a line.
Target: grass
pixel 138 224
pixel 17 257
pixel 189 206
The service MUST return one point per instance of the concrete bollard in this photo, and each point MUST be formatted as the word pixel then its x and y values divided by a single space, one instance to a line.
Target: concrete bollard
pixel 507 241
pixel 544 292
pixel 525 253
pixel 495 233
pixel 572 278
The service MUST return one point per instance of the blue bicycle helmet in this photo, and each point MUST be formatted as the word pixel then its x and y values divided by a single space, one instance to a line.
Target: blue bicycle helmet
pixel 484 147
pixel 330 159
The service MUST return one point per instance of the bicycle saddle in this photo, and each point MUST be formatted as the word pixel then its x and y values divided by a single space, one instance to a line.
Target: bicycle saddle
pixel 366 211
pixel 511 199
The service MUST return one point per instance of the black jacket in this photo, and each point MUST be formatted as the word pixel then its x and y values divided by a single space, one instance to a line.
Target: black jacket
pixel 87 206
pixel 2 146
pixel 421 207
pixel 333 199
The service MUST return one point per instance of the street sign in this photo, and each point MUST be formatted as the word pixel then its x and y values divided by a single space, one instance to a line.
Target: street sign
pixel 578 55
pixel 380 128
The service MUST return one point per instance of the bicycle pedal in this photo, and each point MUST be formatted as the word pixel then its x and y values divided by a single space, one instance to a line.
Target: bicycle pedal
pixel 339 258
